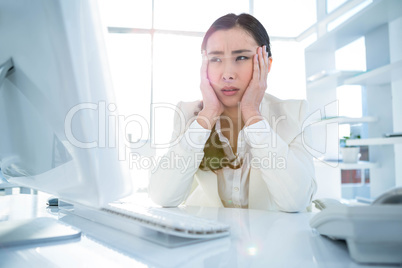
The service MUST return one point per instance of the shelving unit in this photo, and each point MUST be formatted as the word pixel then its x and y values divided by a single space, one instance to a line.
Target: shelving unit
pixel 374 141
pixel 346 120
pixel 347 166
pixel 358 165
pixel 379 76
pixel 337 77
pixel 378 13
pixel 380 23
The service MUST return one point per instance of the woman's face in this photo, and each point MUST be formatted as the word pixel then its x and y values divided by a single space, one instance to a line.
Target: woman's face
pixel 230 63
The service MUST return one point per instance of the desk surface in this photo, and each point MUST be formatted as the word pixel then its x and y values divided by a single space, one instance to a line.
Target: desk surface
pixel 258 239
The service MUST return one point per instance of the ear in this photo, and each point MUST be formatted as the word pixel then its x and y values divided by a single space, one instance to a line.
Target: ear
pixel 269 64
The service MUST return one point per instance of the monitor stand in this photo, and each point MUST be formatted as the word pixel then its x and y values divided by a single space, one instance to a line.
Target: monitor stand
pixel 34 231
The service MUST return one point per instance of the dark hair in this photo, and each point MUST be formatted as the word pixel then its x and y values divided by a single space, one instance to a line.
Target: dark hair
pixel 214 155
pixel 245 21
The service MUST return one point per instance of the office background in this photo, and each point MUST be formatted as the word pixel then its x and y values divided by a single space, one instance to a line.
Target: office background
pixel 154 54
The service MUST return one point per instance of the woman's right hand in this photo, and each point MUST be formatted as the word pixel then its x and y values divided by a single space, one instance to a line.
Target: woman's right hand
pixel 212 106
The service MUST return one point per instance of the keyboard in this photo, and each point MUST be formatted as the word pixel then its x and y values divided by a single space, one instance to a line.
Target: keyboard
pixel 175 223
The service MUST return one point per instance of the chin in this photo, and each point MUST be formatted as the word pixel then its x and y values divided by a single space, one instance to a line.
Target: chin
pixel 235 102
pixel 230 102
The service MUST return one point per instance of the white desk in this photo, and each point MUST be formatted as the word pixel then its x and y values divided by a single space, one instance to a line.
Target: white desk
pixel 258 239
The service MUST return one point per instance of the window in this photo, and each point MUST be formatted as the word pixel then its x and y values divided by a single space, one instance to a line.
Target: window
pixel 350 105
pixel 287 77
pixel 334 4
pixel 127 13
pixel 184 15
pixel 130 65
pixel 350 97
pixel 344 17
pixel 286 18
pixel 355 50
pixel 181 55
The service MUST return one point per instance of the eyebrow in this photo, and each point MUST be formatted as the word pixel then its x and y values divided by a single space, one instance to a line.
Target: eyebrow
pixel 216 52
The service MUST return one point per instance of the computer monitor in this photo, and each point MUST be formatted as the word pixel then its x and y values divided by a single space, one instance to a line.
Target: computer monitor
pixel 59 133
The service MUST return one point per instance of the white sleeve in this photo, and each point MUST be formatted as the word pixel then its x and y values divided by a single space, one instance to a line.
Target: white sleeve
pixel 287 169
pixel 170 183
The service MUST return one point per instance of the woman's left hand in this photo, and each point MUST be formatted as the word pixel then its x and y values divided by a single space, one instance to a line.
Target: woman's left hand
pixel 252 97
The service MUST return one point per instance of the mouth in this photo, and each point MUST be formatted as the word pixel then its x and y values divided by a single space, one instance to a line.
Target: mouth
pixel 229 91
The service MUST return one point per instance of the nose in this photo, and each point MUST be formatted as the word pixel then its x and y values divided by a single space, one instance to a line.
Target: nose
pixel 228 72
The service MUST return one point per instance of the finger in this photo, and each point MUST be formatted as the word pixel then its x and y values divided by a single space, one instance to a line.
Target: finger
pixel 256 71
pixel 261 61
pixel 265 54
pixel 204 65
pixel 266 59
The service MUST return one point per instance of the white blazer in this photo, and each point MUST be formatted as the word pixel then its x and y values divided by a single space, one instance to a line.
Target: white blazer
pixel 290 189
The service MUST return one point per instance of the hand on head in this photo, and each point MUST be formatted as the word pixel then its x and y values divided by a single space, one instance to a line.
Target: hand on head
pixel 212 106
pixel 235 75
pixel 255 91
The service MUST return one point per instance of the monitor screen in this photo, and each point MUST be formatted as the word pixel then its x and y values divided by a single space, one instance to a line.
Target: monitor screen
pixel 59 133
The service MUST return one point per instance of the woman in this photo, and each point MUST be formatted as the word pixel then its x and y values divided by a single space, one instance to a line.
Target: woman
pixel 242 146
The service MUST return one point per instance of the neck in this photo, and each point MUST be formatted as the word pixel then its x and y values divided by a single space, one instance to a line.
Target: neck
pixel 234 115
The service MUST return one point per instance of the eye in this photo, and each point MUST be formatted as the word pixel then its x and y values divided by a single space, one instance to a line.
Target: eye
pixel 215 59
pixel 242 58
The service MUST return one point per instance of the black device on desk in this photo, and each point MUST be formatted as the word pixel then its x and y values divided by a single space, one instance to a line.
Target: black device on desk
pixel 373 233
